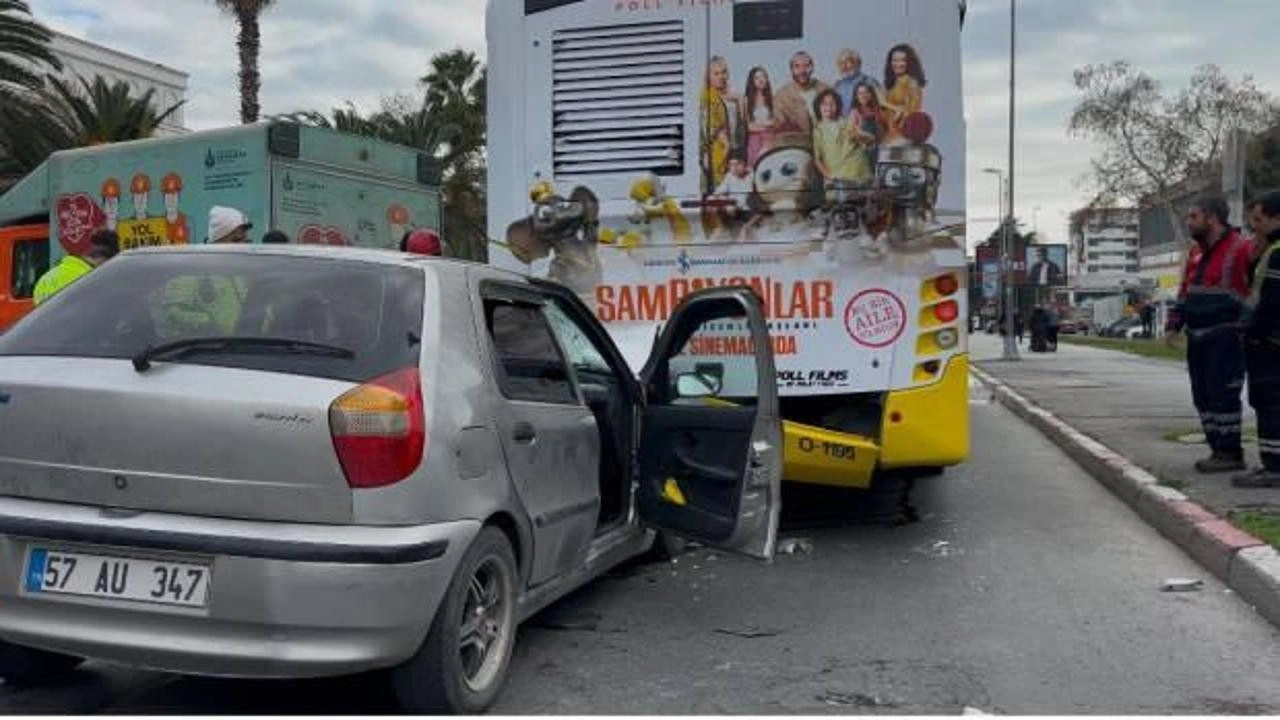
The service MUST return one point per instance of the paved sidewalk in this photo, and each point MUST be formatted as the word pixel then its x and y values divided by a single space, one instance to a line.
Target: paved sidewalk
pixel 1134 405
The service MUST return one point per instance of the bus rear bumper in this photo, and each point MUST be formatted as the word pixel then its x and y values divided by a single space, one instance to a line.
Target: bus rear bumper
pixel 928 427
pixel 925 427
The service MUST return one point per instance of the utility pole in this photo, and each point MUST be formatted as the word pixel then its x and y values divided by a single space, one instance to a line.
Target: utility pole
pixel 1010 299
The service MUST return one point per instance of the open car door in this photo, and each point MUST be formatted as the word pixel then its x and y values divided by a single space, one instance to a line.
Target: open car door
pixel 711 438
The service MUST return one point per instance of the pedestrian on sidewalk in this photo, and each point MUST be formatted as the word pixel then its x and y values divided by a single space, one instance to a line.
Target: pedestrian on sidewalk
pixel 1054 322
pixel 1148 319
pixel 1211 302
pixel 1262 342
pixel 1039 329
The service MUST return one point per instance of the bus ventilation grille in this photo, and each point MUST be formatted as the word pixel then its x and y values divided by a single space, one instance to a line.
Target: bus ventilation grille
pixel 618 99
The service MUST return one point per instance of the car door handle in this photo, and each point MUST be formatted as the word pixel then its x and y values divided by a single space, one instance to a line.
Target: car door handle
pixel 523 432
pixel 707 471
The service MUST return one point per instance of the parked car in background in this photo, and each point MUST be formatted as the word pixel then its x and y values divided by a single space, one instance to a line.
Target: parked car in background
pixel 287 461
pixel 1123 328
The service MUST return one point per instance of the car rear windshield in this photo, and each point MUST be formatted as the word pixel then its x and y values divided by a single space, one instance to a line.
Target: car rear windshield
pixel 136 302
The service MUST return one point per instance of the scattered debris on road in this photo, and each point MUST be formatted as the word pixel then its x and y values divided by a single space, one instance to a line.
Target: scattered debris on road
pixel 749 632
pixel 940 549
pixel 1182 585
pixel 794 546
pixel 861 700
pixel 588 621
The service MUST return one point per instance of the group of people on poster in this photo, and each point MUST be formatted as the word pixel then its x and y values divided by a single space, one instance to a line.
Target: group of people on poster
pixel 841 123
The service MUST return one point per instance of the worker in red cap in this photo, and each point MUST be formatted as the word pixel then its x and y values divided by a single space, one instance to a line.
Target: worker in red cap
pixel 423 242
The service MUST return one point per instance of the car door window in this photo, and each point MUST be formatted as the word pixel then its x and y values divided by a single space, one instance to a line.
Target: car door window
pixel 715 360
pixel 581 349
pixel 531 367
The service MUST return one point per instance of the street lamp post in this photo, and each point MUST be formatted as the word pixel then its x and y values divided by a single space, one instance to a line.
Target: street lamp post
pixel 1010 304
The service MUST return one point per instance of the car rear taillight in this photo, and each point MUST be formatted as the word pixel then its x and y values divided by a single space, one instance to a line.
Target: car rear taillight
pixel 379 431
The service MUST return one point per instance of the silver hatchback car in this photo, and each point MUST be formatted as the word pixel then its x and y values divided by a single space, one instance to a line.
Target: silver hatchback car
pixel 277 462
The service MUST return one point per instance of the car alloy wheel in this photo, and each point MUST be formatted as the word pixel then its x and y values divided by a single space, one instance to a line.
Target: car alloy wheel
pixel 462 665
pixel 486 625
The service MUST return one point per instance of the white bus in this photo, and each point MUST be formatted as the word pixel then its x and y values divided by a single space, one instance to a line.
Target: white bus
pixel 811 149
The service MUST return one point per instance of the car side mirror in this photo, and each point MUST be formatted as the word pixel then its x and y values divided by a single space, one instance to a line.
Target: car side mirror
pixel 695 385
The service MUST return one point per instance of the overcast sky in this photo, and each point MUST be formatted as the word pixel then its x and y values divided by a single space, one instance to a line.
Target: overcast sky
pixel 318 54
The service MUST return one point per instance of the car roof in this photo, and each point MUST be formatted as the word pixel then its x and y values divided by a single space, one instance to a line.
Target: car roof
pixel 357 254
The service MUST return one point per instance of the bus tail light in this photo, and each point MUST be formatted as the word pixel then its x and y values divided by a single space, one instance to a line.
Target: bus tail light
pixel 379 430
pixel 927 371
pixel 946 285
pixel 947 312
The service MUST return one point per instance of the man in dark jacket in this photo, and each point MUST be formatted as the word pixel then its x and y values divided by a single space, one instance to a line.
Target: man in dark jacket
pixel 1262 343
pixel 1211 302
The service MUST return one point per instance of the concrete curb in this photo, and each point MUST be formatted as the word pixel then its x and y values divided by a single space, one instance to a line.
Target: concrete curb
pixel 1246 564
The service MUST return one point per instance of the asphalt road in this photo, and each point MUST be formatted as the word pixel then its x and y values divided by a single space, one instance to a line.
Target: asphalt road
pixel 1025 588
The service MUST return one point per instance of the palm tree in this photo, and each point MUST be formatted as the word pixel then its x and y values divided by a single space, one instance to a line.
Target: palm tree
pixel 455 86
pixel 397 122
pixel 24 47
pixel 247 13
pixel 67 115
pixel 455 92
pixel 100 112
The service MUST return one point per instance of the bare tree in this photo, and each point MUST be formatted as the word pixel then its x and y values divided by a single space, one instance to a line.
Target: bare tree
pixel 1153 145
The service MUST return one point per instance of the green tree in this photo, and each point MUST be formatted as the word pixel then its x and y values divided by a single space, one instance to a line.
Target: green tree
pixel 247 14
pixel 1020 239
pixel 1262 163
pixel 67 115
pixel 24 48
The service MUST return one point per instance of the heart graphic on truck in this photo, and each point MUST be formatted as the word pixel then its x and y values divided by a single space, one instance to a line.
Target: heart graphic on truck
pixel 78 217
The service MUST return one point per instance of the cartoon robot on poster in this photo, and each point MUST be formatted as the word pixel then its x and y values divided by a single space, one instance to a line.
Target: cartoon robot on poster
pixel 897 217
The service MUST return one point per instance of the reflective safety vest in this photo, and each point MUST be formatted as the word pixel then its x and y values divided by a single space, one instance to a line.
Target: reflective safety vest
pixel 1263 305
pixel 203 306
pixel 1215 286
pixel 69 270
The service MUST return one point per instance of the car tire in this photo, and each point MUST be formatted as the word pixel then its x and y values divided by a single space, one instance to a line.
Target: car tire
pixel 446 676
pixel 22 666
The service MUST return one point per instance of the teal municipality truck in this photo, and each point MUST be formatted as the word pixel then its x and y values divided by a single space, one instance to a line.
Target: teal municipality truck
pixel 316 185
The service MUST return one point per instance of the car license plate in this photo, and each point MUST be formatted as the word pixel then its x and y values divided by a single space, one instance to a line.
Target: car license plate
pixel 110 577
